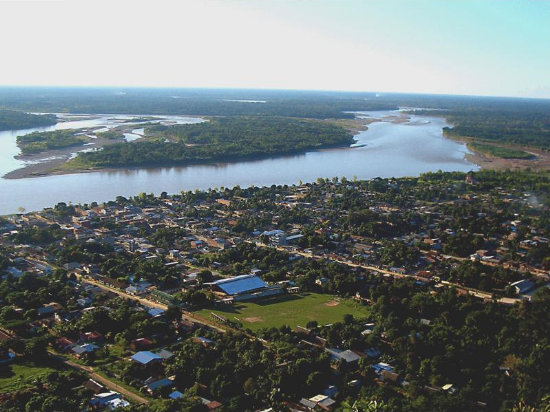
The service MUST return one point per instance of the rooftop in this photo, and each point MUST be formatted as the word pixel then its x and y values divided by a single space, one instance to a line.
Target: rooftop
pixel 240 284
pixel 145 357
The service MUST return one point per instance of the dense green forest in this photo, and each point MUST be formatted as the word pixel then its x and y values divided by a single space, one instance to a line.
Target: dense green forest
pixel 219 139
pixel 14 120
pixel 37 142
pixel 509 126
pixel 190 101
pixel 517 121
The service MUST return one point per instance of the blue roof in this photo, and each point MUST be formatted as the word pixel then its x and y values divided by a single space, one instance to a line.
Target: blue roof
pixel 155 312
pixel 161 383
pixel 205 340
pixel 240 284
pixel 176 395
pixel 144 357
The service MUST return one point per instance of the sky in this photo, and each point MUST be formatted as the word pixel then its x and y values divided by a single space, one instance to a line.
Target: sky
pixel 475 47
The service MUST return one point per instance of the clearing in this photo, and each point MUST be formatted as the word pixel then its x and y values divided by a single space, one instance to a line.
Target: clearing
pixel 291 310
pixel 18 375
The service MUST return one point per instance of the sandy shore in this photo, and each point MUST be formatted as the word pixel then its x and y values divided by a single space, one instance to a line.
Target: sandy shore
pixel 486 161
pixel 540 160
pixel 48 162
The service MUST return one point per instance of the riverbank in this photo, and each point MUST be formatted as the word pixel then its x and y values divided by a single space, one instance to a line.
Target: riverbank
pixel 50 162
pixel 539 161
pixel 224 141
pixel 55 162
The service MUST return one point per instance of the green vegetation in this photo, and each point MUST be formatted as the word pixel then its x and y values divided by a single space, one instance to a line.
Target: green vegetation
pixel 358 236
pixel 224 139
pixel 301 104
pixel 37 142
pixel 21 375
pixel 111 135
pixel 290 310
pixel 14 120
pixel 499 151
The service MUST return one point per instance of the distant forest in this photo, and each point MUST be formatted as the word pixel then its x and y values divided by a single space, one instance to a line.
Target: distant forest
pixel 220 139
pixel 314 105
pixel 37 142
pixel 517 121
pixel 529 128
pixel 13 120
pixel 508 120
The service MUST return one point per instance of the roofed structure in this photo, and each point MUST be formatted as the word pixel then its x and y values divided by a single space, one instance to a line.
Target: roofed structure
pixel 245 287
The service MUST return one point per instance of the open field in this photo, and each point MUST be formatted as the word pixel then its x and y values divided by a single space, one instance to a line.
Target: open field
pixel 18 375
pixel 291 310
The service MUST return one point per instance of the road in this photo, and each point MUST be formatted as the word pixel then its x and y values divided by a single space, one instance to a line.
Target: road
pixel 474 292
pixel 186 315
pixel 98 378
pixel 149 303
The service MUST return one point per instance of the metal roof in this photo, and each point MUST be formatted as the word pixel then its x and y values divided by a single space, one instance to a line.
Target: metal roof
pixel 161 383
pixel 240 284
pixel 144 357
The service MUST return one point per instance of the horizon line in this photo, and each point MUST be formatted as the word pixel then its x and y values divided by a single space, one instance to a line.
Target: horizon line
pixel 269 89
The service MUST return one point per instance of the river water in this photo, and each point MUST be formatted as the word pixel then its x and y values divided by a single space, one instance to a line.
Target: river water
pixel 386 149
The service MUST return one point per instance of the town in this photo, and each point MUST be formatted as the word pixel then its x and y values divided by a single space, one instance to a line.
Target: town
pixel 394 293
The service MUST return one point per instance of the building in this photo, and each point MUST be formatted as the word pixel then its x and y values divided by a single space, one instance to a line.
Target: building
pixel 523 286
pixel 146 357
pixel 244 287
pixel 154 385
pixel 349 357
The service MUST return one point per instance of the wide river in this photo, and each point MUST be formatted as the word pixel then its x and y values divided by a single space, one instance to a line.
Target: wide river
pixel 386 149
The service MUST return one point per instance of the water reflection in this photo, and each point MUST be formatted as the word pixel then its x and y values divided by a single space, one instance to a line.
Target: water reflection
pixel 386 150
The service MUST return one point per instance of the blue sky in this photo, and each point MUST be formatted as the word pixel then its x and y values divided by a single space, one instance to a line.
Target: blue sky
pixel 481 47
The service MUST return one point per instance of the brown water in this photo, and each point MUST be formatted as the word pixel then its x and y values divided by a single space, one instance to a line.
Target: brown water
pixel 384 150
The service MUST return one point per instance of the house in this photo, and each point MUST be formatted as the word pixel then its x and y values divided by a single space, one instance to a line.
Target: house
pixel 349 357
pixel 211 405
pixel 380 367
pixel 389 376
pixel 91 337
pixel 450 389
pixel 331 391
pixel 155 312
pixel 141 343
pixel 523 286
pixel 204 341
pixel 154 386
pixel 136 290
pixel 117 403
pixel 49 309
pixel 101 399
pixel 176 395
pixel 323 401
pixel 63 344
pixel 94 386
pixel 146 358
pixel 84 350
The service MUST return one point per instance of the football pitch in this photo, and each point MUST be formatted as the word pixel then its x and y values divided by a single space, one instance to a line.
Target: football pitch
pixel 292 310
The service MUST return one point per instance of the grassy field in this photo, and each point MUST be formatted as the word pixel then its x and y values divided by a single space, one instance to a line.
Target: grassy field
pixel 498 151
pixel 19 375
pixel 291 310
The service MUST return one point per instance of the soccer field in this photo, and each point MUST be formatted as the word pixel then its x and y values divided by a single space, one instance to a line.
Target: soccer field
pixel 291 310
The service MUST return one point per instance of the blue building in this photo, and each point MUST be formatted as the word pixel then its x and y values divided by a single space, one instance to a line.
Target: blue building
pixel 244 287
